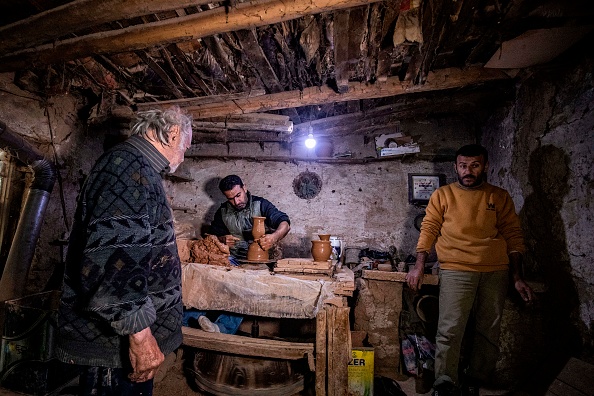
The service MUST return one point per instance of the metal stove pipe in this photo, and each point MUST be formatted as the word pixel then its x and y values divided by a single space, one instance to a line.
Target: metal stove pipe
pixel 20 256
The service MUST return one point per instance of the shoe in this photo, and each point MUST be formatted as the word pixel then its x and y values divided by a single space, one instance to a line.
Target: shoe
pixel 207 325
pixel 445 389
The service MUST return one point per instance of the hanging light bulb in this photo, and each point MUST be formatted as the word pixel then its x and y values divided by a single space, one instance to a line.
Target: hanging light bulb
pixel 310 142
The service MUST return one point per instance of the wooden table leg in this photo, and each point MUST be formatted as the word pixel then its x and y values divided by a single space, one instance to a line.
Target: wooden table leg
pixel 321 353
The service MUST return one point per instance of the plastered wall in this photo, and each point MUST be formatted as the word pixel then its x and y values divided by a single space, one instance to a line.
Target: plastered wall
pixel 543 152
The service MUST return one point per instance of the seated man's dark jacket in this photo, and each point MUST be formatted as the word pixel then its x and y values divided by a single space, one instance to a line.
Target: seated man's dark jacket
pixel 123 271
pixel 239 223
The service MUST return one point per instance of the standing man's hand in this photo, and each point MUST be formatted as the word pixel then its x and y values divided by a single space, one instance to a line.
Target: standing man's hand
pixel 145 355
pixel 414 278
pixel 525 291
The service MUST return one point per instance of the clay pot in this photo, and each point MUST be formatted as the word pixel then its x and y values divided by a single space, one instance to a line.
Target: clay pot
pixel 258 229
pixel 324 237
pixel 321 250
pixel 256 253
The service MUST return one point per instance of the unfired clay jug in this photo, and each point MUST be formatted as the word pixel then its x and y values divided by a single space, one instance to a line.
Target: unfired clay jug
pixel 321 250
pixel 255 252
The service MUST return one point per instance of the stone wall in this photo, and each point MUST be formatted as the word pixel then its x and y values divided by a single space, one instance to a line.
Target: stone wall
pixel 54 128
pixel 542 151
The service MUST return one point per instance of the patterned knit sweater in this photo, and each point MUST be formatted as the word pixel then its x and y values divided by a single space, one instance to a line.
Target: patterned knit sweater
pixel 123 271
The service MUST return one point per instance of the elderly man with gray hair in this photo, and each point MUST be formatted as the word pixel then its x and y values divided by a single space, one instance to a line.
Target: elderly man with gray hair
pixel 121 308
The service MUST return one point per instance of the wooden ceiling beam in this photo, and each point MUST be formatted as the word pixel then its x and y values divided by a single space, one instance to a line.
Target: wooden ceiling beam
pixel 68 18
pixel 437 80
pixel 221 19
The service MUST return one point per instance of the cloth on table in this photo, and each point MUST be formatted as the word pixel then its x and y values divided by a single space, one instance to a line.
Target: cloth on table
pixel 252 292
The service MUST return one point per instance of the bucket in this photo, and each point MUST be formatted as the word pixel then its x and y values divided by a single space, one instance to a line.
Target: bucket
pixel 427 308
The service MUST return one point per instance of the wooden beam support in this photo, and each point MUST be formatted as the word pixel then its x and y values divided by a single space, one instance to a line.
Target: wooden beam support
pixel 243 126
pixel 252 50
pixel 221 19
pixel 246 346
pixel 321 352
pixel 341 50
pixel 68 18
pixel 161 73
pixel 438 80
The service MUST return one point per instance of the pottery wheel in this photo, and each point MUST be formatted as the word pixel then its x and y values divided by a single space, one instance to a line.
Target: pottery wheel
pixel 247 263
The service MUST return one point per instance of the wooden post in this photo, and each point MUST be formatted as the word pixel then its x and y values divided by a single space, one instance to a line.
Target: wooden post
pixel 321 353
pixel 339 350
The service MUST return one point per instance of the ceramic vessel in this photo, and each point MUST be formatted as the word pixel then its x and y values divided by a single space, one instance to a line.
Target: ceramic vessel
pixel 321 250
pixel 258 229
pixel 255 252
pixel 324 237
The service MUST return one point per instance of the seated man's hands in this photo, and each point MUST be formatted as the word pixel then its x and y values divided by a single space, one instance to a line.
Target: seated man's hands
pixel 228 240
pixel 267 241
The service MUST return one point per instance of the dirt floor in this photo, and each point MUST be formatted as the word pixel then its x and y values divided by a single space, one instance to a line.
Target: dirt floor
pixel 172 380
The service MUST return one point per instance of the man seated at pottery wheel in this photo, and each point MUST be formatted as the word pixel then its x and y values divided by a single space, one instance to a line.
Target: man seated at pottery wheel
pixel 233 221
pixel 232 224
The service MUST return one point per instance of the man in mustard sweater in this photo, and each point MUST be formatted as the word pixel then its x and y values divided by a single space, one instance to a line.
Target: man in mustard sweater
pixel 479 243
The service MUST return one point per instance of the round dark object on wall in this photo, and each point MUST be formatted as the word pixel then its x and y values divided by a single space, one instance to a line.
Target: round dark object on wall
pixel 418 220
pixel 307 185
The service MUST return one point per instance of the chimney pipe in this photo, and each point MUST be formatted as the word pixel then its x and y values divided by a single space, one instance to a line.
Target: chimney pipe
pixel 20 256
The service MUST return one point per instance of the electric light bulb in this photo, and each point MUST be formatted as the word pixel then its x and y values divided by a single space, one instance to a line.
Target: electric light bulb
pixel 310 142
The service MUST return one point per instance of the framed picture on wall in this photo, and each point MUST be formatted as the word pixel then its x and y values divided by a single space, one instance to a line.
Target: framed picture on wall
pixel 421 186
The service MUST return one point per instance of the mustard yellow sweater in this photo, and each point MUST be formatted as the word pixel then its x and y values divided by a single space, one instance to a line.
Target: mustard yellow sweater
pixel 475 228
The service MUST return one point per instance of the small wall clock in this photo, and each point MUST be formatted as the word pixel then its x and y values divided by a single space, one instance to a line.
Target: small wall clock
pixel 307 185
pixel 420 187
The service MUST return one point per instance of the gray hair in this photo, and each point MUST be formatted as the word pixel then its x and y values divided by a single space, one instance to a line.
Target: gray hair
pixel 160 123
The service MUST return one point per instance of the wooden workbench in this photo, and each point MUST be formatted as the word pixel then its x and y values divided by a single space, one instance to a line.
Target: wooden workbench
pixel 281 296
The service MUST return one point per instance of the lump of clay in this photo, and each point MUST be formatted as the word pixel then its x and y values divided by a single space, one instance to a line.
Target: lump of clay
pixel 209 251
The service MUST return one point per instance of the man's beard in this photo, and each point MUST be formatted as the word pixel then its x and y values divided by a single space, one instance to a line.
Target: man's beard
pixel 475 181
pixel 240 207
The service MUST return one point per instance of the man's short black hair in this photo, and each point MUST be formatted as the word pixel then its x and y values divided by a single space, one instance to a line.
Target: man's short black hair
pixel 473 150
pixel 228 182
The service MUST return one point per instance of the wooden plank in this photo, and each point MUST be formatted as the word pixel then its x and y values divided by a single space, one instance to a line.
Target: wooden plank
pixel 160 72
pixel 559 388
pixel 428 279
pixel 330 326
pixel 439 80
pixel 246 346
pixel 339 350
pixel 303 262
pixel 579 375
pixel 213 43
pixel 321 351
pixel 68 18
pixel 253 52
pixel 244 126
pixel 341 50
pixel 203 24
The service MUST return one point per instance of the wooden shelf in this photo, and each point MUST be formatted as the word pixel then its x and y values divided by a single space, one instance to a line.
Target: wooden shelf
pixel 402 158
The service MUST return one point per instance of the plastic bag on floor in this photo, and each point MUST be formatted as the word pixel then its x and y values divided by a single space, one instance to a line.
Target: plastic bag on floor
pixel 409 356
